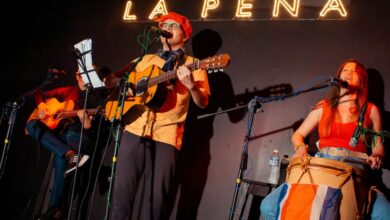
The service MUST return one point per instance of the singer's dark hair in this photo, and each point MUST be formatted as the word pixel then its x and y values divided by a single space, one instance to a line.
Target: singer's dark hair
pixel 334 96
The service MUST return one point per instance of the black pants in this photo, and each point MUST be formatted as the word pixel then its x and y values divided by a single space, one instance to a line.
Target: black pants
pixel 148 160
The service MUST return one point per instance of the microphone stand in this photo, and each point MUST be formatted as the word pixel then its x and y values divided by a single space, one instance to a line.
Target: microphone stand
pixel 88 87
pixel 254 105
pixel 121 100
pixel 10 110
pixel 12 107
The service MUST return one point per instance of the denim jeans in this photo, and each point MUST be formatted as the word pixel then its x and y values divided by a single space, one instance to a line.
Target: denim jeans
pixel 269 205
pixel 58 144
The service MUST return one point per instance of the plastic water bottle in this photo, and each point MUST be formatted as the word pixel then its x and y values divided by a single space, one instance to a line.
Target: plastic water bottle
pixel 274 167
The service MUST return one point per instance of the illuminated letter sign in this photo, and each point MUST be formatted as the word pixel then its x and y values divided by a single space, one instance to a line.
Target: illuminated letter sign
pixel 209 5
pixel 293 10
pixel 333 5
pixel 241 9
pixel 127 16
pixel 328 9
pixel 160 8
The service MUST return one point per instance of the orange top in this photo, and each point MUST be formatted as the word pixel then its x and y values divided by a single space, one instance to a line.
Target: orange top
pixel 341 133
pixel 167 124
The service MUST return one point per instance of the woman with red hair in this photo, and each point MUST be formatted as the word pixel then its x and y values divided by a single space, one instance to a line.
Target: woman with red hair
pixel 337 119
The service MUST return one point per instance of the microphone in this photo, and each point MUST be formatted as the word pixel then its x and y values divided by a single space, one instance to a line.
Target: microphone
pixel 358 130
pixel 163 33
pixel 339 82
pixel 354 139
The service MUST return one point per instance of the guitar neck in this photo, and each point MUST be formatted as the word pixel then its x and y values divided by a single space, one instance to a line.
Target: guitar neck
pixel 74 113
pixel 170 75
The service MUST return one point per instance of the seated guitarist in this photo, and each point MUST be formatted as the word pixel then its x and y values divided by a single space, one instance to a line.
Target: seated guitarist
pixel 150 144
pixel 61 137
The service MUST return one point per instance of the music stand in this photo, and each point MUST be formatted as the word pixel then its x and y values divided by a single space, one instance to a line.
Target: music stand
pixel 83 51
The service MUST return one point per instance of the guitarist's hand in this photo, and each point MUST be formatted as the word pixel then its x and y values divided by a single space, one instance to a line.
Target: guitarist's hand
pixel 42 111
pixel 185 77
pixel 87 120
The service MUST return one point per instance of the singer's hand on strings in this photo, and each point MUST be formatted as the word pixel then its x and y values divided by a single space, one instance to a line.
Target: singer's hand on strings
pixel 185 77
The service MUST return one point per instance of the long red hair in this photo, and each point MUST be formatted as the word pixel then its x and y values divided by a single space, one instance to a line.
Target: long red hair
pixel 334 96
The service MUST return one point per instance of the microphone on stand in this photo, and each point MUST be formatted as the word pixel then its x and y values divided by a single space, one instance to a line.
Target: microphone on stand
pixel 358 130
pixel 341 83
pixel 354 139
pixel 163 33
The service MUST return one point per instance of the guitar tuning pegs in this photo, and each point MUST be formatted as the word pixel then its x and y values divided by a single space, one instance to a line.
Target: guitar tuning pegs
pixel 216 70
pixel 221 69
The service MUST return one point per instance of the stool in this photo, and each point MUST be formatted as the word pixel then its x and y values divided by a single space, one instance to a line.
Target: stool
pixel 255 188
pixel 259 190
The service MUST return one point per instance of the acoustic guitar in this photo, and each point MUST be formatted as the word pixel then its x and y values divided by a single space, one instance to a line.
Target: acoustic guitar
pixel 57 112
pixel 148 88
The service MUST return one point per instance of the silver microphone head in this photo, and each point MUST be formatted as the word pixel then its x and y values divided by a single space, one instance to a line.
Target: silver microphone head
pixel 353 142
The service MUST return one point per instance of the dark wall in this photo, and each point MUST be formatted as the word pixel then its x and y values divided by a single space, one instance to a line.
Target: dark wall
pixel 269 57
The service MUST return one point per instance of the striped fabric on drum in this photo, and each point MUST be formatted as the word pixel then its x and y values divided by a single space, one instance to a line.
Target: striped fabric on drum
pixel 308 201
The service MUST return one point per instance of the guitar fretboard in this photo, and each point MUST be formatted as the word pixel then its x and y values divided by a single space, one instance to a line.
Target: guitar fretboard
pixel 172 74
pixel 74 113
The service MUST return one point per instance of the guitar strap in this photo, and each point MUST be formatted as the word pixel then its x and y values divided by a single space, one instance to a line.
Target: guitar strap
pixel 172 58
pixel 181 61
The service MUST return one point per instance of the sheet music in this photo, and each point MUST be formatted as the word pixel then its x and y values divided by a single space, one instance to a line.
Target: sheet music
pixel 84 50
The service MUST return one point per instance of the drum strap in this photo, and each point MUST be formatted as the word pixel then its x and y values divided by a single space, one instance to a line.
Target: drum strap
pixel 305 166
pixel 345 174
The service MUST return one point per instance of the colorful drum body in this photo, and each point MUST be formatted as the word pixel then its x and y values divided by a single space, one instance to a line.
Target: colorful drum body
pixel 336 174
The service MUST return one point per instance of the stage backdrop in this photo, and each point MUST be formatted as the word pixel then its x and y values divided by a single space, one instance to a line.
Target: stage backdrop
pixel 269 57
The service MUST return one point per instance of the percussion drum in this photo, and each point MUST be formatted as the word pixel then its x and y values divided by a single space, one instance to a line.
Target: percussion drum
pixel 351 180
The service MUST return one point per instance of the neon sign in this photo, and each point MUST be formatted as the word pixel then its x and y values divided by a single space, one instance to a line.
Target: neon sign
pixel 291 9
pixel 244 9
pixel 209 5
pixel 334 5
